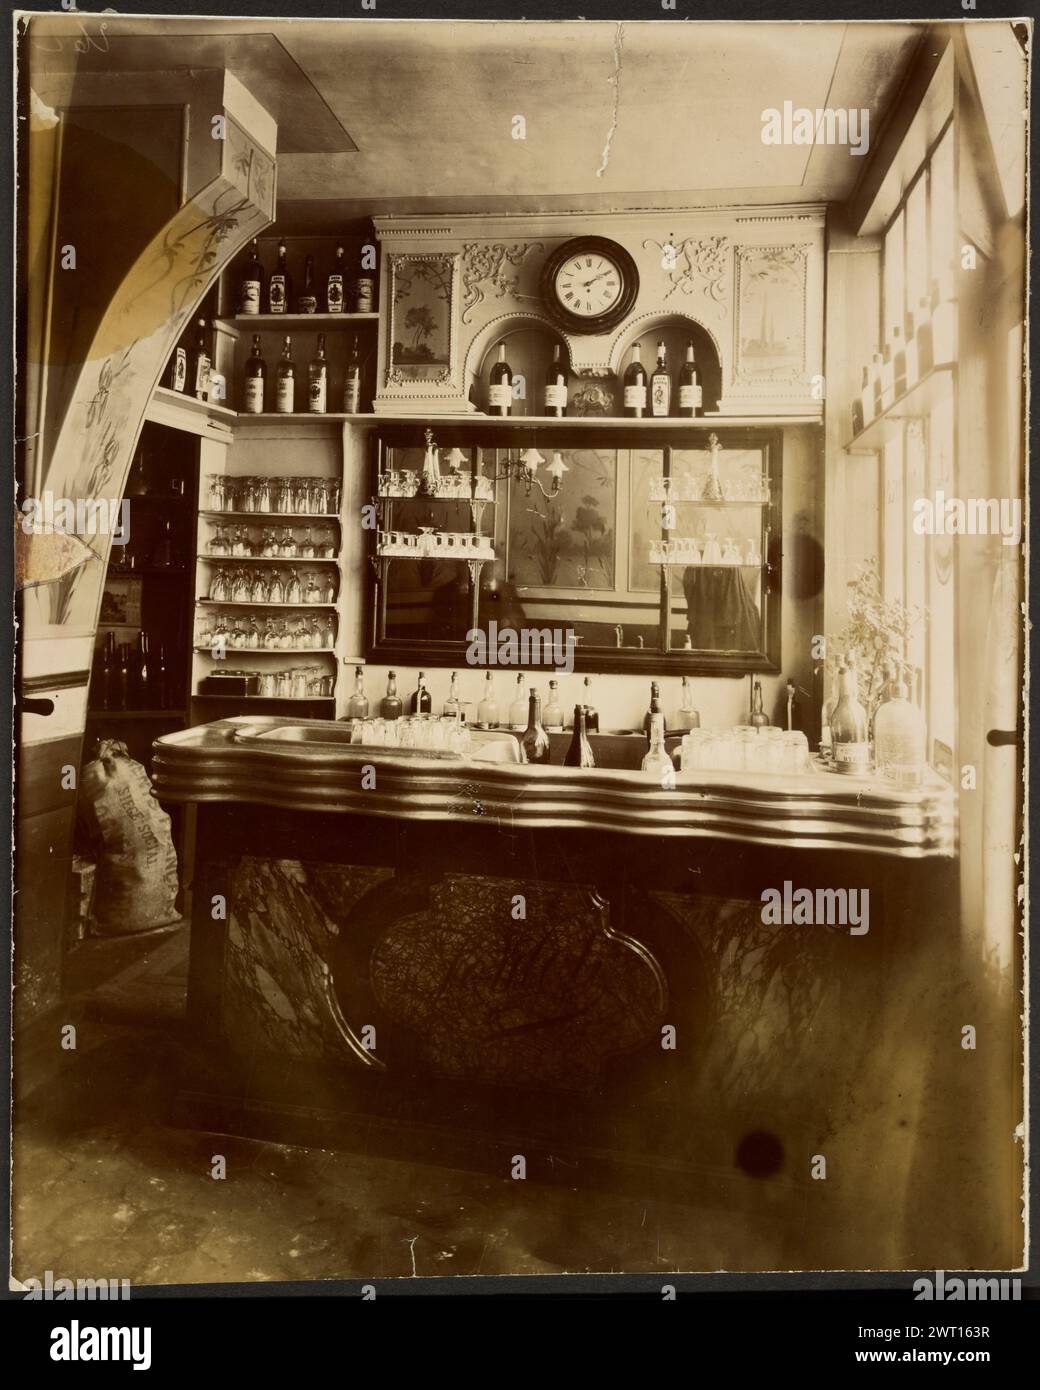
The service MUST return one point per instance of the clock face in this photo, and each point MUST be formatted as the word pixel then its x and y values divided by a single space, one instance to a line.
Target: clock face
pixel 588 284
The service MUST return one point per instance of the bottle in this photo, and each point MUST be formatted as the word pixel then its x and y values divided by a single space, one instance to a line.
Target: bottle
pixel 690 396
pixel 875 383
pixel 317 380
pixel 452 707
pixel 556 386
pixel 390 706
pixel 898 363
pixel 635 387
pixel 279 289
pixel 660 386
pixel 849 727
pixel 164 557
pixel 421 702
pixel 553 711
pixel 500 385
pixel 688 716
pixel 535 742
pixel 177 372
pixel 251 287
pixel 579 754
pixel 201 363
pixel 160 679
pixel 334 285
pixel 352 381
pixel 487 710
pixel 857 408
pixel 866 398
pixel 826 740
pixel 101 674
pixel 591 714
pixel 758 719
pixel 285 381
pixel 256 377
pixel 899 737
pixel 656 760
pixel 655 708
pixel 357 705
pixel 123 684
pixel 308 302
pixel 518 709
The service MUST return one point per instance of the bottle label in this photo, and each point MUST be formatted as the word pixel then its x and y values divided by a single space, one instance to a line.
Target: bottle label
pixel 690 397
pixel 250 303
pixel 853 756
pixel 254 395
pixel 365 291
pixel 277 294
pixel 334 295
pixel 201 384
pixel 316 396
pixel 501 395
pixel 660 395
pixel 635 396
pixel 284 395
pixel 180 370
pixel 352 397
pixel 556 396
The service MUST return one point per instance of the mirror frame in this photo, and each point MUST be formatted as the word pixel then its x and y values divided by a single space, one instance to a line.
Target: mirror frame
pixel 655 661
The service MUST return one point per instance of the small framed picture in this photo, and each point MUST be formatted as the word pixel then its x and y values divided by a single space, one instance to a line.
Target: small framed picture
pixel 121 603
pixel 423 345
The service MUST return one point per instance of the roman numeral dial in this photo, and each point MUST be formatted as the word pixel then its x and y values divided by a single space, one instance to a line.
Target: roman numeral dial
pixel 590 284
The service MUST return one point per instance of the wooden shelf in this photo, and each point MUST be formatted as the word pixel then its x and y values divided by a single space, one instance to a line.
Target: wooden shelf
pixel 270 518
pixel 177 399
pixel 279 699
pixel 268 651
pixel 261 323
pixel 271 559
pixel 914 404
pixel 248 603
pixel 297 417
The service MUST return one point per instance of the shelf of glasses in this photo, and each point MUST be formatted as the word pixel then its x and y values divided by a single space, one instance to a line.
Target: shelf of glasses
pixel 286 699
pixel 207 650
pixel 256 603
pixel 486 495
pixel 270 518
pixel 713 565
pixel 270 559
pixel 414 552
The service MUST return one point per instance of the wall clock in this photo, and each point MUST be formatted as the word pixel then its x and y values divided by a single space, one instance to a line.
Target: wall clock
pixel 589 284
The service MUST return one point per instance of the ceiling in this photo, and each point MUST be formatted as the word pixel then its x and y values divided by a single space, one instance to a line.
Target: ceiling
pixel 395 116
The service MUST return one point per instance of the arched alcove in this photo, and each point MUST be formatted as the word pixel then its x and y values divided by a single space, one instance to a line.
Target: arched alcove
pixel 675 331
pixel 529 341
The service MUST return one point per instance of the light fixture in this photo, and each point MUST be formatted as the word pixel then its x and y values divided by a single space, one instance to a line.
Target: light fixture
pixel 522 469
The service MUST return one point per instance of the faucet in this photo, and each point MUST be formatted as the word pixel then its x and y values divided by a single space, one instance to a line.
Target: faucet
pixel 619 635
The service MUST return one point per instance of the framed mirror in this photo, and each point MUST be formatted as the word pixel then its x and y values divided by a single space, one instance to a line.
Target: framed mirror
pixel 657 549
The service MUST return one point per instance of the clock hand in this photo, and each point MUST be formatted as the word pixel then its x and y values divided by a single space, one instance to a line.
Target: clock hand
pixel 587 283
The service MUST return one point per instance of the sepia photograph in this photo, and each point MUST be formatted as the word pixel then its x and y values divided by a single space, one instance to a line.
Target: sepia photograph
pixel 520 656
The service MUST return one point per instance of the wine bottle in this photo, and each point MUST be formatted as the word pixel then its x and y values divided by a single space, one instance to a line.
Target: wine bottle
pixel 251 288
pixel 452 706
pixel 142 685
pixel 334 285
pixel 661 385
pixel 421 703
pixel 556 386
pixel 579 754
pixel 535 742
pixel 390 706
pixel 690 397
pixel 279 289
pixel 518 709
pixel 591 713
pixel 352 381
pixel 256 378
pixel 635 386
pixel 758 719
pixel 317 380
pixel 308 303
pixel 655 708
pixel 899 737
pixel 357 705
pixel 487 710
pixel 849 727
pixel 106 692
pixel 688 716
pixel 122 684
pixel 285 381
pixel 500 386
pixel 656 760
pixel 553 711
pixel 201 364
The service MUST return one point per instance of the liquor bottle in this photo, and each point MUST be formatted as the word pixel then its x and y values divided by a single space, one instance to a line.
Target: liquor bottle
pixel 656 760
pixel 579 754
pixel 256 378
pixel 357 705
pixel 317 380
pixel 898 363
pixel 487 710
pixel 500 385
pixel 857 407
pixel 285 381
pixel 164 557
pixel 161 679
pixel 535 742
pixel 655 708
pixel 201 363
pixel 334 285
pixel 308 302
pixel 142 683
pixel 635 386
pixel 691 399
pixel 352 381
pixel 553 711
pixel 591 713
pixel 556 386
pixel 177 373
pixel 279 289
pixel 251 287
pixel 421 703
pixel 452 706
pixel 660 386
pixel 122 681
pixel 688 717
pixel 899 737
pixel 390 706
pixel 104 696
pixel 758 719
pixel 518 709
pixel 849 727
